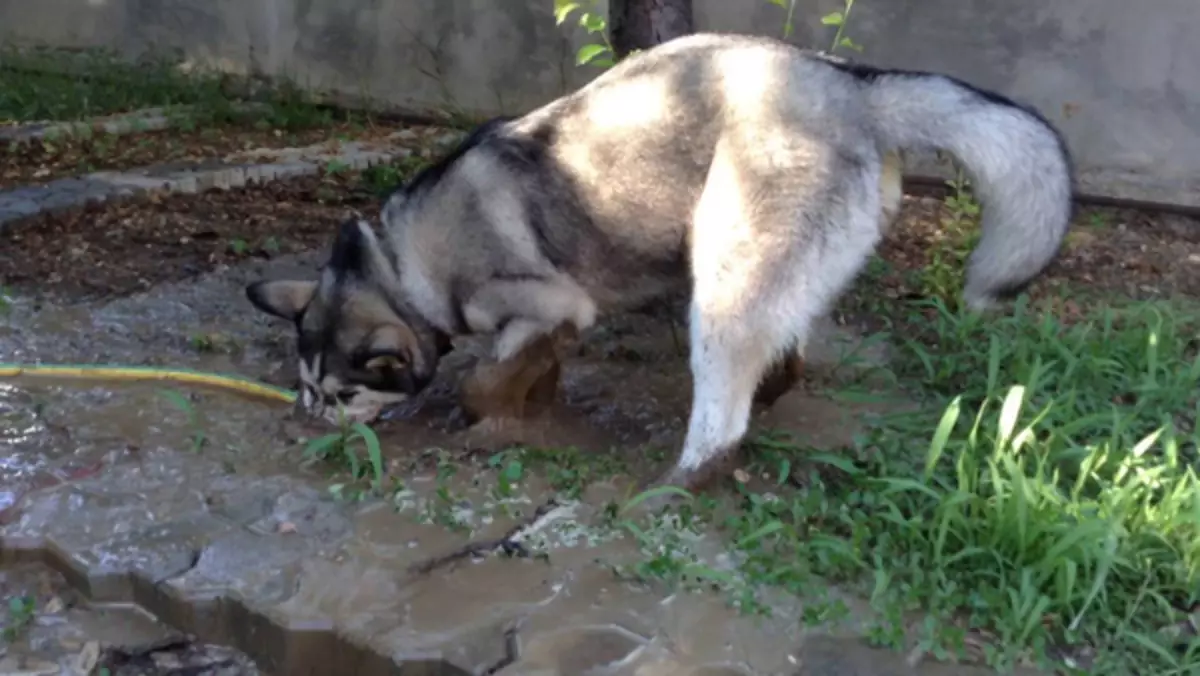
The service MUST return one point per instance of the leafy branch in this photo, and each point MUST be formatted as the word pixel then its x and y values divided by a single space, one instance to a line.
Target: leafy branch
pixel 600 54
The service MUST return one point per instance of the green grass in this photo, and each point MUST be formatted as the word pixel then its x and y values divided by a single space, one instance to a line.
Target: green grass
pixel 354 450
pixel 45 84
pixel 1045 498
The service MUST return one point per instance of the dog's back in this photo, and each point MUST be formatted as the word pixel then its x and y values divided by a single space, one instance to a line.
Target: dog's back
pixel 607 179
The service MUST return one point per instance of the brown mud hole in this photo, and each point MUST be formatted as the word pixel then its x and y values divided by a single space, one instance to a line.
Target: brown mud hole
pixel 228 539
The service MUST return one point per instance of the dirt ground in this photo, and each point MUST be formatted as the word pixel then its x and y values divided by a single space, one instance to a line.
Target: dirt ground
pixel 1127 252
pixel 116 249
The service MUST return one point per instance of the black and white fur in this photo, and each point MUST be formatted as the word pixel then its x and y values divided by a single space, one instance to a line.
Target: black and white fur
pixel 751 174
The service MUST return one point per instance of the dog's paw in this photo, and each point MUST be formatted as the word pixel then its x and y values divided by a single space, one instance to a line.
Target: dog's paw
pixel 498 433
pixel 680 484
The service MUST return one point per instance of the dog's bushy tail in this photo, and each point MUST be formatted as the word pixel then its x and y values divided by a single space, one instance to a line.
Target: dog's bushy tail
pixel 1019 167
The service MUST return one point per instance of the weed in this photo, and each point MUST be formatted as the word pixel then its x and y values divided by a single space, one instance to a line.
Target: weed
pixel 335 167
pixel 345 449
pixel 1099 219
pixel 180 401
pixel 840 19
pixel 446 508
pixel 509 473
pixel 46 84
pixel 567 470
pixel 382 179
pixel 21 611
pixel 212 342
pixel 943 276
pixel 600 54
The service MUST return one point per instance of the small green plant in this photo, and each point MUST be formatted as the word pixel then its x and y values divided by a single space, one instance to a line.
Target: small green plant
pixel 212 342
pixel 382 179
pixel 335 167
pixel 591 19
pixel 840 19
pixel 447 508
pixel 509 473
pixel 180 401
pixel 943 276
pixel 345 449
pixel 239 247
pixel 21 612
pixel 1099 219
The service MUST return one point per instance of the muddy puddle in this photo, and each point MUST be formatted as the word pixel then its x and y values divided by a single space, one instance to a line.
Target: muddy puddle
pixel 156 527
pixel 50 628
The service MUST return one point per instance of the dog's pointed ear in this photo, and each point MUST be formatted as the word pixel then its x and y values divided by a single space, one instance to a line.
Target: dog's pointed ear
pixel 285 298
pixel 352 249
pixel 358 254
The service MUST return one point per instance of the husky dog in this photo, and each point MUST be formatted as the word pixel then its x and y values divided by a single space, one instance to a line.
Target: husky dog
pixel 752 175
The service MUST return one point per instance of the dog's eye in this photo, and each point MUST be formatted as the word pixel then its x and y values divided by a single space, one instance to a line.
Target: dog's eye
pixel 384 362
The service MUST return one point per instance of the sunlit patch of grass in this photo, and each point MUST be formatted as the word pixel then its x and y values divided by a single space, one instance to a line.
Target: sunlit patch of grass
pixel 1042 506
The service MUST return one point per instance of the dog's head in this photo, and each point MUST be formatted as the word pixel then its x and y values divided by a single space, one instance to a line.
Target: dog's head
pixel 360 346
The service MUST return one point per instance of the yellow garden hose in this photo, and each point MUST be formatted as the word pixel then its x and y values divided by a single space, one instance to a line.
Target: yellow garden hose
pixel 144 373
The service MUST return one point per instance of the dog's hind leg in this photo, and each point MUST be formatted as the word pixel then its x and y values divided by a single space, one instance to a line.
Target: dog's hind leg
pixel 781 377
pixel 768 256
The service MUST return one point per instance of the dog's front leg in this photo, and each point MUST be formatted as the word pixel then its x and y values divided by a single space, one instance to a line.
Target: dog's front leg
pixel 530 318
pixel 522 385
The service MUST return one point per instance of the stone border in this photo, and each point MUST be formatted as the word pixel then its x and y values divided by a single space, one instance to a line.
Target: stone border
pixel 309 647
pixel 234 171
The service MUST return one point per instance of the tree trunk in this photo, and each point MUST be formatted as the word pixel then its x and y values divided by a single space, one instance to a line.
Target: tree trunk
pixel 640 24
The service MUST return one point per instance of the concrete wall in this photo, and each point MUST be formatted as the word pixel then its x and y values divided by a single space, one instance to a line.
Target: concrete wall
pixel 1113 74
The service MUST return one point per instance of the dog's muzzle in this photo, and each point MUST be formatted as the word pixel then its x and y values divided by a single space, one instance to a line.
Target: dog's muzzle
pixel 362 408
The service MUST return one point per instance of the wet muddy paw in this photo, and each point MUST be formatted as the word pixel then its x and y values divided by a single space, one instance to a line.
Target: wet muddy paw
pixel 667 489
pixel 517 388
pixel 693 480
pixel 496 434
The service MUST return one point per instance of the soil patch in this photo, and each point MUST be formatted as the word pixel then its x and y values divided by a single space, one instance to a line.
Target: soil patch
pixel 47 160
pixel 115 249
pixel 1108 253
pixel 121 248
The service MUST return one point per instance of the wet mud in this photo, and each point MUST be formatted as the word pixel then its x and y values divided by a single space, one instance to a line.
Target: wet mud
pixel 181 523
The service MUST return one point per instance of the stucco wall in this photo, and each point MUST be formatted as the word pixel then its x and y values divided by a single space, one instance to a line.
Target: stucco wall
pixel 1122 79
